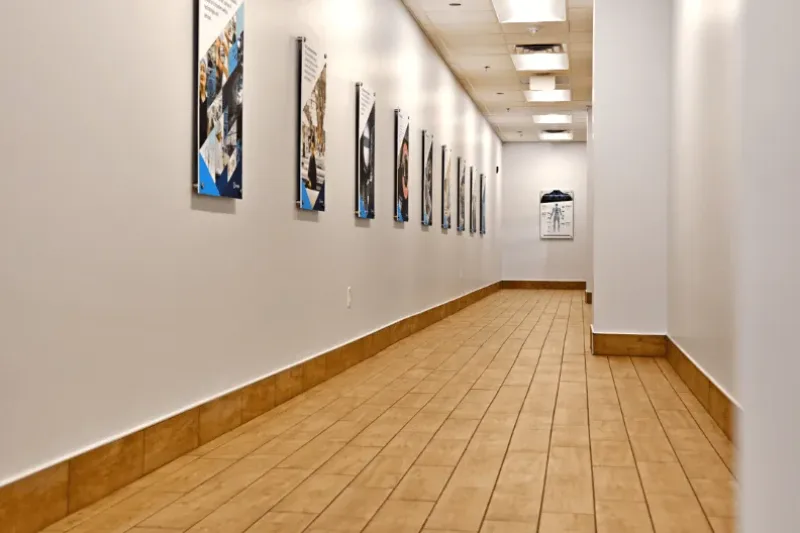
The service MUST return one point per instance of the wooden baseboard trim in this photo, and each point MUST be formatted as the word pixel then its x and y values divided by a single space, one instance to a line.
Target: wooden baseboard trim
pixel 631 345
pixel 36 501
pixel 724 411
pixel 588 297
pixel 544 285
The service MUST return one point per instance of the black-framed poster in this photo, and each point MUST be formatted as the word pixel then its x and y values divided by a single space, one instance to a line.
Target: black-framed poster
pixel 401 151
pixel 220 91
pixel 447 180
pixel 473 202
pixel 312 139
pixel 483 204
pixel 461 203
pixel 365 151
pixel 427 178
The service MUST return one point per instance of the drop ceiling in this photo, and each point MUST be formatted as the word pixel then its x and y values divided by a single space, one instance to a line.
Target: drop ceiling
pixel 479 49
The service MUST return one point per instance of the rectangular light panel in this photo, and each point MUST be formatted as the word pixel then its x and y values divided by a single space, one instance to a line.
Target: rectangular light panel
pixel 560 136
pixel 542 83
pixel 559 95
pixel 552 119
pixel 543 62
pixel 530 11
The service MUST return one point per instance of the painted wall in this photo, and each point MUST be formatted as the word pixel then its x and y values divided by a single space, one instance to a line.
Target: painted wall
pixel 705 162
pixel 768 257
pixel 529 169
pixel 123 298
pixel 631 164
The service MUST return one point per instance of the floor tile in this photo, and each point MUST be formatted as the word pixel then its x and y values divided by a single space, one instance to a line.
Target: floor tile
pixel 623 517
pixel 566 523
pixel 614 483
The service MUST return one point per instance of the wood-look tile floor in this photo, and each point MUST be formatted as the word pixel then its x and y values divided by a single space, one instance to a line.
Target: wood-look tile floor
pixel 494 420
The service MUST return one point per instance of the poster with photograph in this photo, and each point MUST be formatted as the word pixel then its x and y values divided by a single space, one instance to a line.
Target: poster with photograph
pixel 401 151
pixel 365 152
pixel 427 178
pixel 220 88
pixel 312 88
pixel 556 215
pixel 473 203
pixel 447 181
pixel 461 202
pixel 483 204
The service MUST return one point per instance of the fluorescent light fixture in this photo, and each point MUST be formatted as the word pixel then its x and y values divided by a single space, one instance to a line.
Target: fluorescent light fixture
pixel 558 95
pixel 552 119
pixel 530 11
pixel 544 62
pixel 555 136
pixel 542 83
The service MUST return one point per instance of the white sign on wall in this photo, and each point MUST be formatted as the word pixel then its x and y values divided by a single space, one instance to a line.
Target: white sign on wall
pixel 557 215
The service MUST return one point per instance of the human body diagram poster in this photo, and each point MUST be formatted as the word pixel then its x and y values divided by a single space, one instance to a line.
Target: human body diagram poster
pixel 427 178
pixel 556 215
pixel 312 117
pixel 220 88
pixel 473 205
pixel 483 204
pixel 401 152
pixel 447 183
pixel 365 157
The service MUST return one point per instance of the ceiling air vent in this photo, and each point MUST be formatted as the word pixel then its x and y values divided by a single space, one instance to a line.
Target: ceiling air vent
pixel 539 49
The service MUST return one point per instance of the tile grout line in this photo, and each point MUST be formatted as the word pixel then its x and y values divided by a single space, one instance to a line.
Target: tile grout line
pixel 552 424
pixel 705 436
pixel 671 447
pixel 628 438
pixel 516 419
pixel 589 416
pixel 469 441
pixel 376 455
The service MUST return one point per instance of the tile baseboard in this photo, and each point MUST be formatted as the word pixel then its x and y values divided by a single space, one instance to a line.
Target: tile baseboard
pixel 40 499
pixel 544 285
pixel 724 411
pixel 629 344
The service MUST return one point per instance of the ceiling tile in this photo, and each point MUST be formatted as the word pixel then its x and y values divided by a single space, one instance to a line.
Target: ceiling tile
pixel 451 17
pixel 580 19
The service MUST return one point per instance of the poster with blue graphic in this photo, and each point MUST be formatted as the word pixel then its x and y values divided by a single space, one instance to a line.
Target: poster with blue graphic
pixel 313 94
pixel 427 178
pixel 365 152
pixel 447 183
pixel 401 151
pixel 220 89
pixel 461 204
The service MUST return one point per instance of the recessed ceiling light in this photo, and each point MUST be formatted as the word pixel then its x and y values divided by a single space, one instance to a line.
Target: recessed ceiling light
pixel 533 30
pixel 558 95
pixel 552 119
pixel 555 135
pixel 544 62
pixel 527 11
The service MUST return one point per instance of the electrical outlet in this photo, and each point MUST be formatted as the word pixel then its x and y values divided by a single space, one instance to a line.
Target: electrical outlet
pixel 349 297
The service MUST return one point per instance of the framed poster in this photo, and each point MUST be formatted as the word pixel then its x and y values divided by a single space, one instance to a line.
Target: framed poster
pixel 447 180
pixel 473 204
pixel 427 178
pixel 461 202
pixel 401 149
pixel 220 89
pixel 365 152
pixel 483 204
pixel 312 89
pixel 556 214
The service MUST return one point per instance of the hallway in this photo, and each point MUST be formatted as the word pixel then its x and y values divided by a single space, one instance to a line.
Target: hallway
pixel 493 420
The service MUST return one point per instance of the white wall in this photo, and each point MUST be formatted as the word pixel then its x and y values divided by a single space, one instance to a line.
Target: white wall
pixel 706 159
pixel 529 169
pixel 123 298
pixel 631 160
pixel 768 256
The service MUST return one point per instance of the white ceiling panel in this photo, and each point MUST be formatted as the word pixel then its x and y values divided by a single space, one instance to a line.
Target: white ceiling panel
pixel 471 38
